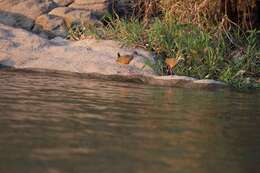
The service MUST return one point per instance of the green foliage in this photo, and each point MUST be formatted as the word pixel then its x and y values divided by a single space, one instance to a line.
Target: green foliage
pixel 128 32
pixel 79 31
pixel 239 70
pixel 158 67
pixel 185 42
pixel 229 56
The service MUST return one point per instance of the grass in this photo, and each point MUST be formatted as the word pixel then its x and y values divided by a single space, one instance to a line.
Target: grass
pixel 81 31
pixel 128 32
pixel 223 51
pixel 203 13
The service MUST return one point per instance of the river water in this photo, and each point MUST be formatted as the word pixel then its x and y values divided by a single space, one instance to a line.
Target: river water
pixel 56 123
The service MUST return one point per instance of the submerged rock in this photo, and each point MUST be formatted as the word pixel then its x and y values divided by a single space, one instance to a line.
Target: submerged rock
pixel 62 3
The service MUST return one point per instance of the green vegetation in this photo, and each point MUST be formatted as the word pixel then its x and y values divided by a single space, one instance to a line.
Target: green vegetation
pixel 205 49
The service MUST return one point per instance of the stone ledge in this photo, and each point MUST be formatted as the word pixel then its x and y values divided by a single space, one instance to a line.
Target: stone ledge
pixel 21 49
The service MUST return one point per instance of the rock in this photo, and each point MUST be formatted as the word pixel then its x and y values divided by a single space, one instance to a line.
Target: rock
pixel 63 3
pixel 27 13
pixel 60 11
pixel 97 7
pixel 93 5
pixel 75 16
pixel 86 56
pixel 22 13
pixel 184 82
pixel 174 80
pixel 208 83
pixel 51 26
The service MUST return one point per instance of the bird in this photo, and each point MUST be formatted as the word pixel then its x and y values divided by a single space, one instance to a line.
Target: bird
pixel 170 64
pixel 125 59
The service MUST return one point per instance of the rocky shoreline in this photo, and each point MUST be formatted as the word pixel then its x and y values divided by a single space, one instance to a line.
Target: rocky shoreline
pixel 24 47
pixel 51 18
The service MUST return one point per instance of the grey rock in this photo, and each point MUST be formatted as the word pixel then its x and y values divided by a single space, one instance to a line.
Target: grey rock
pixel 173 81
pixel 75 16
pixel 51 26
pixel 22 13
pixel 94 5
pixel 98 8
pixel 62 3
pixel 37 15
pixel 86 56
pixel 208 83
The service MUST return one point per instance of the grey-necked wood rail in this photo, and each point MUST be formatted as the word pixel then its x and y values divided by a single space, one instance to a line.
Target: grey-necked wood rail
pixel 170 64
pixel 125 59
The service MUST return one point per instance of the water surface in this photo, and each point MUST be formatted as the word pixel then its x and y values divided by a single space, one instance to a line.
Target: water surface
pixel 54 123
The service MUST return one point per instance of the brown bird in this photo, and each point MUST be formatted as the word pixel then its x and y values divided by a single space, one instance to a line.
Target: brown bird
pixel 125 59
pixel 170 64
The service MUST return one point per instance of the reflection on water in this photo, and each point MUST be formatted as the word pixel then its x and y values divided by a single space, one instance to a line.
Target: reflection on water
pixel 52 123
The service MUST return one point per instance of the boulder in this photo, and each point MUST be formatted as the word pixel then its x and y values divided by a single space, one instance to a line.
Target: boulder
pixel 22 13
pixel 63 3
pixel 97 7
pixel 39 15
pixel 50 26
pixel 94 5
pixel 22 49
pixel 60 11
pixel 75 16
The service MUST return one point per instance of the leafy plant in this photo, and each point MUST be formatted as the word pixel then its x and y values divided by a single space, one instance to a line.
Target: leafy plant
pixel 227 54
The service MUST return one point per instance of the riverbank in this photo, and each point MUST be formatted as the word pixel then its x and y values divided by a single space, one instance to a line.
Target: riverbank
pixel 230 55
pixel 21 49
pixel 198 54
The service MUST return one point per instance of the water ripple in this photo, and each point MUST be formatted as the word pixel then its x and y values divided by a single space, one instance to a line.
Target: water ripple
pixel 56 123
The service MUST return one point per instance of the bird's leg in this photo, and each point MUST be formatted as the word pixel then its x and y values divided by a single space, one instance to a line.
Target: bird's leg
pixel 171 71
pixel 167 70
